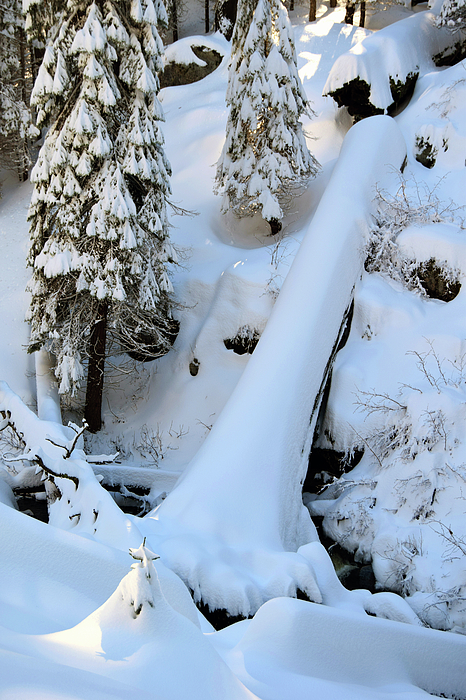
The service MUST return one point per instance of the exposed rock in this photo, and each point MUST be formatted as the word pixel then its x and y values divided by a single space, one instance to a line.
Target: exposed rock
pixel 245 341
pixel 436 282
pixel 355 95
pixel 184 74
pixel 425 152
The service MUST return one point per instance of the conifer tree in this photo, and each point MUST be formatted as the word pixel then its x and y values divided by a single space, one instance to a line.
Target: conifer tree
pixel 265 160
pixel 15 88
pixel 99 232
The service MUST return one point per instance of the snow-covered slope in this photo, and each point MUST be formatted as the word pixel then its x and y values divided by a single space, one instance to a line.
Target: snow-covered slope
pixel 57 584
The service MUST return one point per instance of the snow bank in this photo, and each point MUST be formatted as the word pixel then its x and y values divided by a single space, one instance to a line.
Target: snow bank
pixel 231 524
pixel 297 649
pixel 435 121
pixel 136 637
pixel 386 59
pixel 398 393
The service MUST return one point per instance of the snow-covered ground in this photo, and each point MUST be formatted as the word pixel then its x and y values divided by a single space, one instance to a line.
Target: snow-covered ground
pixel 66 633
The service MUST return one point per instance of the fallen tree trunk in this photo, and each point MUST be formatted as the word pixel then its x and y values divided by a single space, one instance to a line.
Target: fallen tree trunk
pixel 232 525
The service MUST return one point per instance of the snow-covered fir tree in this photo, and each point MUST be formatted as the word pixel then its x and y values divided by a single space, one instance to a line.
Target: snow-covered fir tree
pixel 15 88
pixel 98 224
pixel 265 159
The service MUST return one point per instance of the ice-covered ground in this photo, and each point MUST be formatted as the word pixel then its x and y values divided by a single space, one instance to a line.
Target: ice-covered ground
pixel 64 631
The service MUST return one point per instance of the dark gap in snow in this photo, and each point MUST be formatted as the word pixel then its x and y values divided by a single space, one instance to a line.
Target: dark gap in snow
pixel 451 55
pixel 132 500
pixel 32 501
pixel 194 367
pixel 425 152
pixel 325 465
pixel 355 97
pixel 220 618
pixel 401 93
pixel 352 575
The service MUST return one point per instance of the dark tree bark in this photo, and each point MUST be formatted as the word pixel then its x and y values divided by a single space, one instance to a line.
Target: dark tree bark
pixel 23 164
pixel 225 17
pixel 312 10
pixel 350 8
pixel 333 3
pixel 95 371
pixel 174 20
pixel 291 5
pixel 206 16
pixel 362 16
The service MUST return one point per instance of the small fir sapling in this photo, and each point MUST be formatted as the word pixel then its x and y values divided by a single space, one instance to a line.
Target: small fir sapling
pixel 265 159
pixel 99 244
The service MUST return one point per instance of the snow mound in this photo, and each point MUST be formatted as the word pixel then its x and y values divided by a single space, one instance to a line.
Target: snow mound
pixel 138 638
pixel 297 649
pixel 385 60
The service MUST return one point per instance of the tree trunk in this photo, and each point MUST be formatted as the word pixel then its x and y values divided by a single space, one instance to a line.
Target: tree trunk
pixel 350 8
pixel 23 170
pixel 95 372
pixel 362 16
pixel 291 5
pixel 206 16
pixel 333 3
pixel 174 18
pixel 312 10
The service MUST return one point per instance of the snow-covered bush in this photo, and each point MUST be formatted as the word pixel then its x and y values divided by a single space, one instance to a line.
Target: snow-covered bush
pixel 99 232
pixel 395 508
pixel 398 395
pixel 265 160
pixel 395 213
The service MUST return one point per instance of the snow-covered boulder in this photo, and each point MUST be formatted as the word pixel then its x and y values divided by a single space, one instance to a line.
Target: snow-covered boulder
pixel 377 74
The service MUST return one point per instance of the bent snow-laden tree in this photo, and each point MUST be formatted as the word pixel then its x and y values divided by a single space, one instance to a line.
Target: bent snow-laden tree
pixel 265 160
pixel 99 232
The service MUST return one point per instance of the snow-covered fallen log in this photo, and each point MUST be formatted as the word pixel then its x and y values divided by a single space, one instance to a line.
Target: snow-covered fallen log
pixel 380 72
pixel 75 499
pixel 232 526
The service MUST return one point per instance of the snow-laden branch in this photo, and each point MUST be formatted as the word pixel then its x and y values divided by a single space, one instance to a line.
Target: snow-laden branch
pixel 232 526
pixel 74 496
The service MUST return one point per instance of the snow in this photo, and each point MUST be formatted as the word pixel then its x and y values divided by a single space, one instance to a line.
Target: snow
pixel 269 457
pixel 225 443
pixel 392 54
